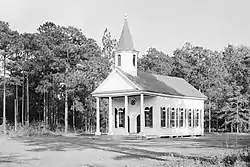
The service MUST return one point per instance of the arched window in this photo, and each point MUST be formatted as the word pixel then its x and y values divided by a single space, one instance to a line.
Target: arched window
pixel 172 118
pixel 168 117
pixel 197 116
pixel 119 60
pixel 134 59
pixel 177 118
pixel 120 118
pixel 163 117
pixel 181 117
pixel 148 117
pixel 193 117
pixel 190 118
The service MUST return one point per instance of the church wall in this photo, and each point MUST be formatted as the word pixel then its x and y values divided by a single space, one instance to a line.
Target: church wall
pixel 157 102
pixel 176 103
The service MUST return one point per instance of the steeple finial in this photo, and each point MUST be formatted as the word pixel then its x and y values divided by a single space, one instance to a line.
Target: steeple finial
pixel 126 16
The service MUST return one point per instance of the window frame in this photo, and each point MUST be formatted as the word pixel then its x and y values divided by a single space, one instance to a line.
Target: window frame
pixel 163 117
pixel 181 120
pixel 120 118
pixel 172 118
pixel 148 112
pixel 177 117
pixel 197 118
pixel 168 117
pixel 190 118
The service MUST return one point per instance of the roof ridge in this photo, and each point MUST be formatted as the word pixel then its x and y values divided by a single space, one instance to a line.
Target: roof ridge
pixel 161 75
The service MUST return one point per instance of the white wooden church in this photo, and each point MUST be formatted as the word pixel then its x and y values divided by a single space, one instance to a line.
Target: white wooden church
pixel 147 104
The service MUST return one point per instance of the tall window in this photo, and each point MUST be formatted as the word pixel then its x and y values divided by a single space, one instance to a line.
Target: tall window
pixel 186 117
pixel 149 117
pixel 177 117
pixel 119 60
pixel 197 116
pixel 163 117
pixel 168 117
pixel 116 117
pixel 134 58
pixel 193 117
pixel 120 118
pixel 181 117
pixel 172 118
pixel 190 118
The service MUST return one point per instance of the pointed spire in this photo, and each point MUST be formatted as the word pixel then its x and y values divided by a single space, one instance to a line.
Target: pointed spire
pixel 125 41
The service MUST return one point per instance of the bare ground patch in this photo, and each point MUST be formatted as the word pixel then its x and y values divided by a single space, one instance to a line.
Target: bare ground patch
pixel 105 151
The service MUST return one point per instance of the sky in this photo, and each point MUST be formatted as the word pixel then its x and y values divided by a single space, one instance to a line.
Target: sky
pixel 163 24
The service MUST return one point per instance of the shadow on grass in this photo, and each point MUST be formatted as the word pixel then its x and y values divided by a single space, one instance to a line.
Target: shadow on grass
pixel 17 159
pixel 136 149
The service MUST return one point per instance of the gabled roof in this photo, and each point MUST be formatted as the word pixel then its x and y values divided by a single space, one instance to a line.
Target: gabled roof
pixel 125 41
pixel 164 84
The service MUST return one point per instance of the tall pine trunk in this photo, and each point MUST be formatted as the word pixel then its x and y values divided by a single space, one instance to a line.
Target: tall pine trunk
pixel 66 111
pixel 44 108
pixel 74 127
pixel 4 97
pixel 27 91
pixel 23 91
pixel 16 107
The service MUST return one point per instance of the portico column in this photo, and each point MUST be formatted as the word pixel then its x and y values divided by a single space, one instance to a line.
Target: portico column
pixel 142 114
pixel 110 116
pixel 126 113
pixel 97 116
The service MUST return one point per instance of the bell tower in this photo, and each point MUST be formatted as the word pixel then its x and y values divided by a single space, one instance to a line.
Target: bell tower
pixel 125 55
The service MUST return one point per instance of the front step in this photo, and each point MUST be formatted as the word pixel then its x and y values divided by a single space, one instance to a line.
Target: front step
pixel 140 137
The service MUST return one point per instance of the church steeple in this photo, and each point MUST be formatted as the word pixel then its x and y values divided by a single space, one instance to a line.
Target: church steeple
pixel 125 41
pixel 125 55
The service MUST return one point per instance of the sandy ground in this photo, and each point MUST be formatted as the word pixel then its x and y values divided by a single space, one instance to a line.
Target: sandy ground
pixel 16 154
pixel 103 151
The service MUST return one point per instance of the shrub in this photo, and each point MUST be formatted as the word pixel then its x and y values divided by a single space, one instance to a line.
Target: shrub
pixel 245 155
pixel 229 160
pixel 34 129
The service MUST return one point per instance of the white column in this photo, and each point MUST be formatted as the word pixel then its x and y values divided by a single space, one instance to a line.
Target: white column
pixel 142 114
pixel 97 116
pixel 126 113
pixel 110 116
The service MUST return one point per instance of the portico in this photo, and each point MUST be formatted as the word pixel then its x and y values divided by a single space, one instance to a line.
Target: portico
pixel 121 112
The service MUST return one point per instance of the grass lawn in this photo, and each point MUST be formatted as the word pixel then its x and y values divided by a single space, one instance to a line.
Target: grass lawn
pixel 107 151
